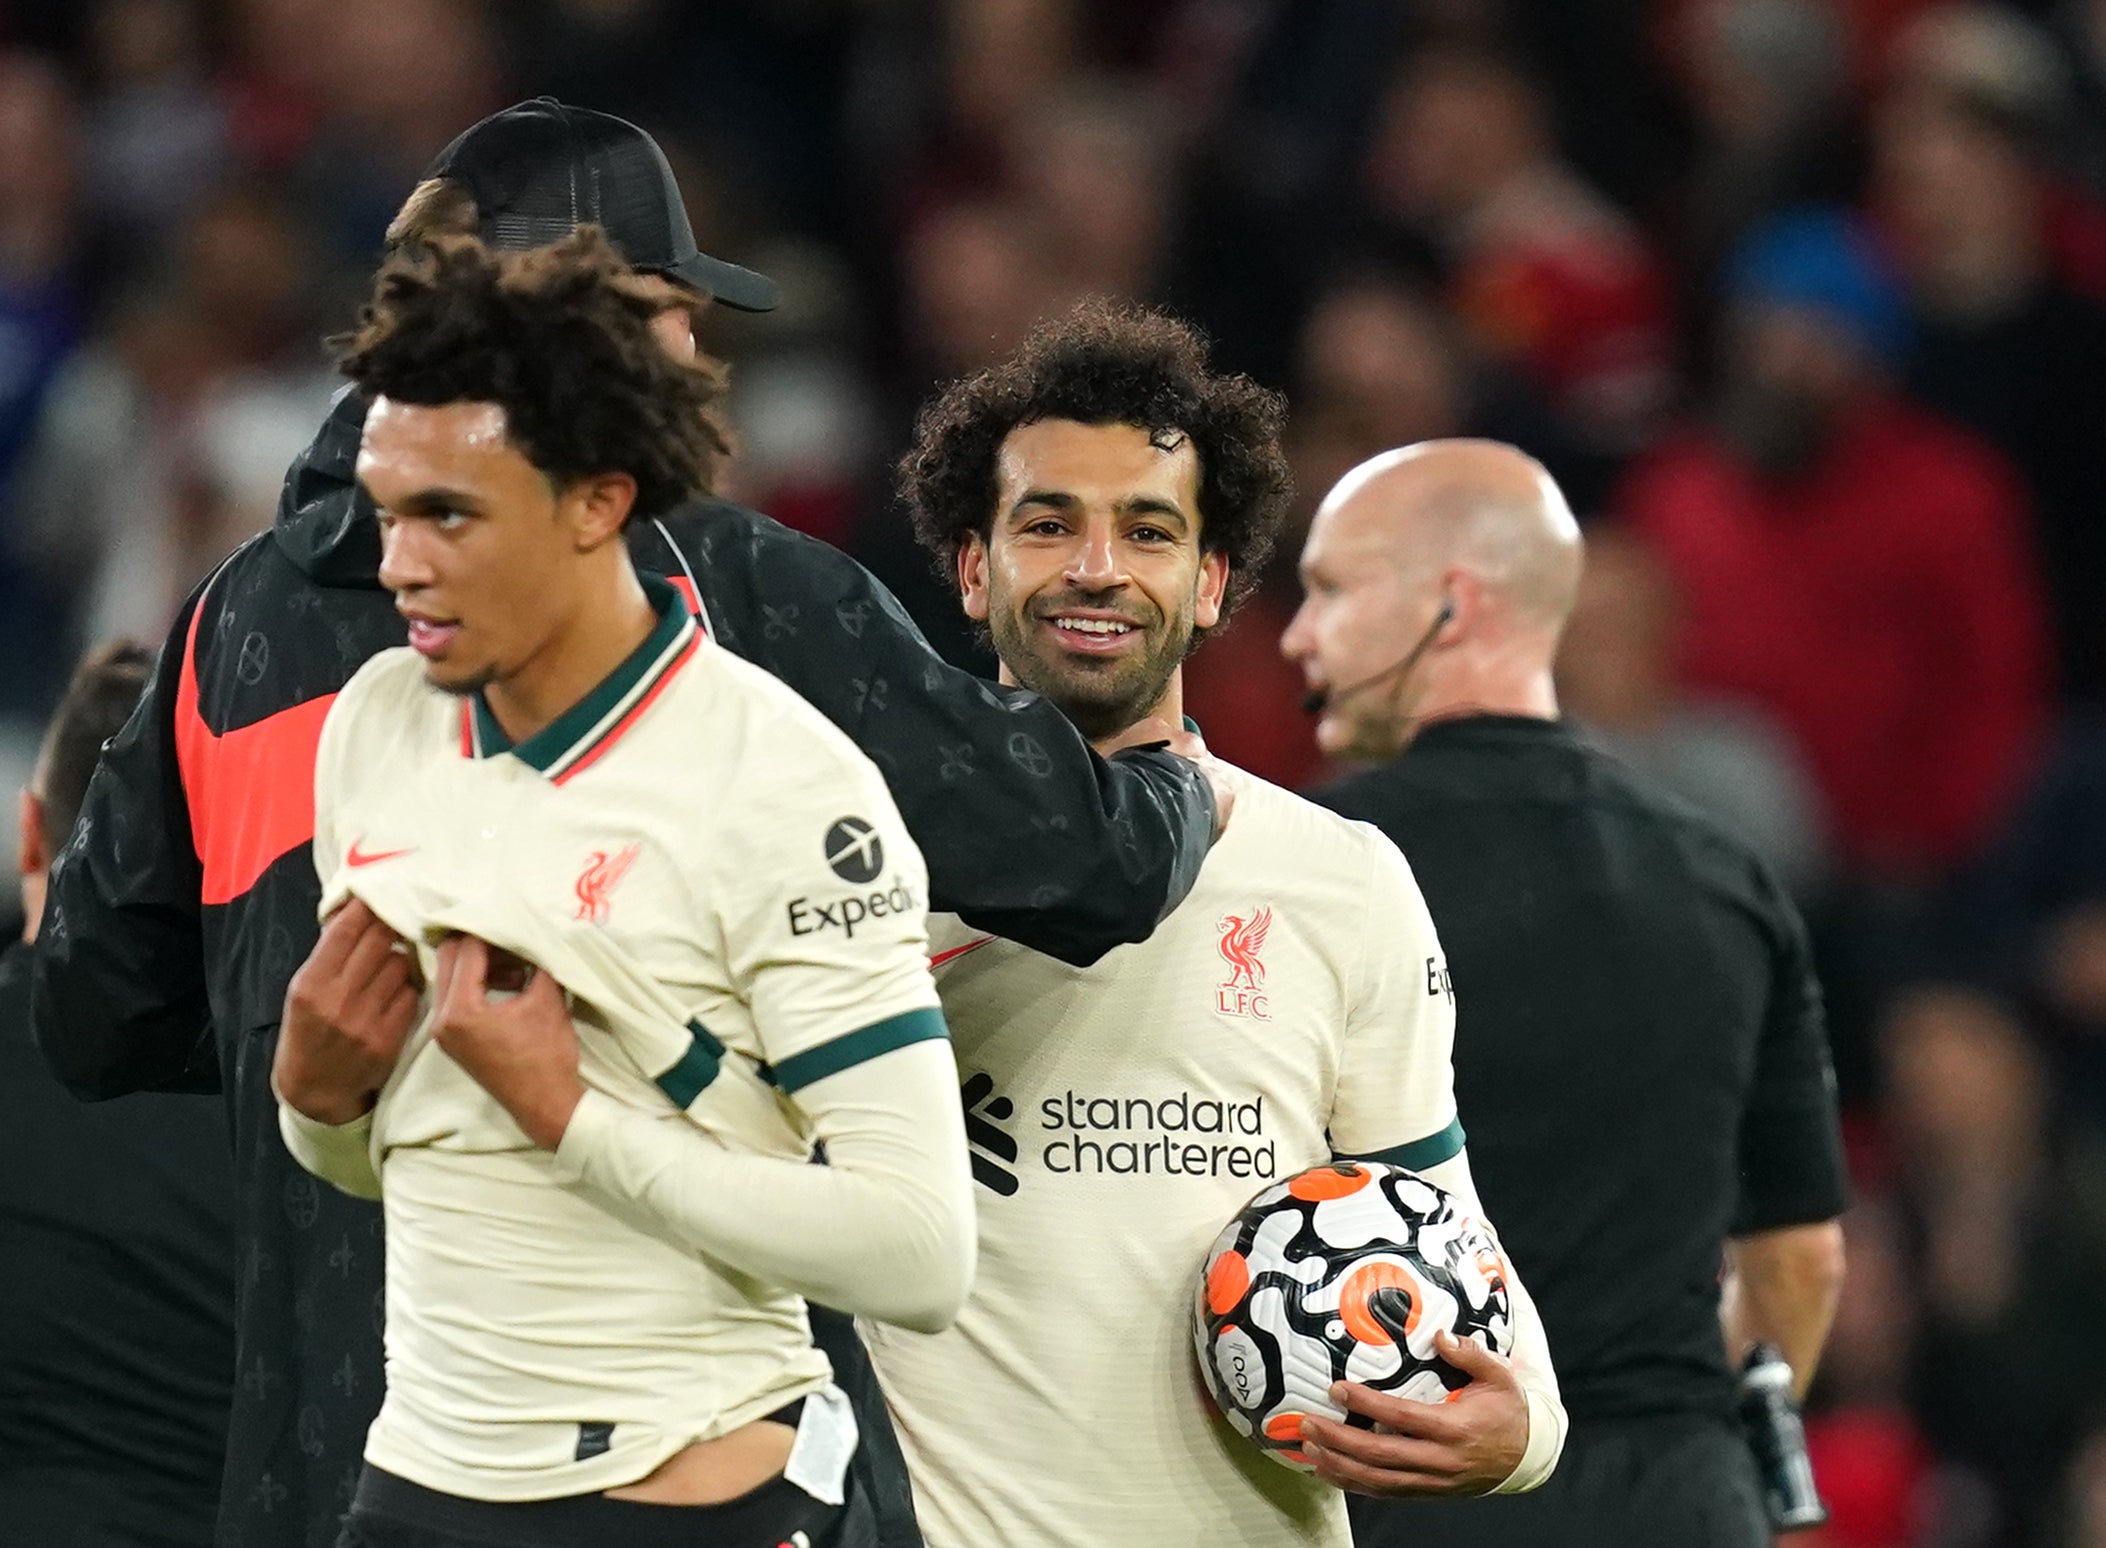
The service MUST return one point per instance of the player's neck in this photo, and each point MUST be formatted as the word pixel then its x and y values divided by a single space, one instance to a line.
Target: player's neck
pixel 602 632
pixel 1169 709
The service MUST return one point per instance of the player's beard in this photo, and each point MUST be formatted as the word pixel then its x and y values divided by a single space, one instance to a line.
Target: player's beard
pixel 1103 695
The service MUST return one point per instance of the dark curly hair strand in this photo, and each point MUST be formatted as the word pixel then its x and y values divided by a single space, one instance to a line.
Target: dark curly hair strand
pixel 559 338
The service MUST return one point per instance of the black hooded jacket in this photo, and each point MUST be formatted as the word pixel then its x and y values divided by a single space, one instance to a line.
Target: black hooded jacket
pixel 187 897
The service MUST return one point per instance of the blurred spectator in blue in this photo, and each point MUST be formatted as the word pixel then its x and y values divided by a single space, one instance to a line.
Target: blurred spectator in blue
pixel 165 440
pixel 40 321
pixel 40 233
pixel 2003 343
pixel 1854 565
pixel 157 135
pixel 1549 277
pixel 1619 676
pixel 2006 1220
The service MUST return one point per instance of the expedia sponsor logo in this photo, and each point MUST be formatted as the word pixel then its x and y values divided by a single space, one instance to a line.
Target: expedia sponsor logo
pixel 808 916
pixel 1174 1136
pixel 854 850
pixel 1438 981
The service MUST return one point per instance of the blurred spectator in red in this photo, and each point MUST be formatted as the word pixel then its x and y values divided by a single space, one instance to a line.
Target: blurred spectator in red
pixel 2003 344
pixel 165 441
pixel 2007 1224
pixel 157 137
pixel 1548 275
pixel 1871 1461
pixel 1852 564
pixel 1619 676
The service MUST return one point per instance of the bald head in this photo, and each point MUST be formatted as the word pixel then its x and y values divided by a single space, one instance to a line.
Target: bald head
pixel 1480 507
pixel 1437 580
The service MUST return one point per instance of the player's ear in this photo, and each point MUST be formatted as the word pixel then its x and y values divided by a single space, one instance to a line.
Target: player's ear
pixel 599 508
pixel 972 576
pixel 1213 586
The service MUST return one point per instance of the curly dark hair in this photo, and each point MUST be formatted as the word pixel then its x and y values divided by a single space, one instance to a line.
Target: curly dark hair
pixel 560 339
pixel 1106 363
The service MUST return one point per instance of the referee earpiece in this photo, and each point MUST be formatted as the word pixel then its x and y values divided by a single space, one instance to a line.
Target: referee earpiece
pixel 1320 699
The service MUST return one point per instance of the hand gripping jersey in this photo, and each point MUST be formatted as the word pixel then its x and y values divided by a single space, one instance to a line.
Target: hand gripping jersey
pixel 560 1323
pixel 1295 1007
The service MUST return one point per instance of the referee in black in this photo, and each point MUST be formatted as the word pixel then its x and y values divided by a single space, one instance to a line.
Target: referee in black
pixel 1640 1054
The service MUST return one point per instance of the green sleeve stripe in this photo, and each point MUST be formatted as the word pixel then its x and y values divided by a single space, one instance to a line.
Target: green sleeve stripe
pixel 696 1068
pixel 1430 1151
pixel 860 1046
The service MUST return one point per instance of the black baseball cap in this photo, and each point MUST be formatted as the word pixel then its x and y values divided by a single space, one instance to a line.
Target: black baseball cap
pixel 541 169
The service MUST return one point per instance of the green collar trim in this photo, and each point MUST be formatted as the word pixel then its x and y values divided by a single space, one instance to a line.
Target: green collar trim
pixel 574 735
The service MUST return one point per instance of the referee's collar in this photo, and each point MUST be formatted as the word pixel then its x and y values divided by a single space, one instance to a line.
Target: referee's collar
pixel 1477 726
pixel 585 731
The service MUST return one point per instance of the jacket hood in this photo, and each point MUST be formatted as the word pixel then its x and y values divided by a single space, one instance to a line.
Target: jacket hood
pixel 325 522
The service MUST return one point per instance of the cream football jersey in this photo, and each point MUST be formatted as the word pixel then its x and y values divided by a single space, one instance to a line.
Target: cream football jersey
pixel 721 883
pixel 1296 1005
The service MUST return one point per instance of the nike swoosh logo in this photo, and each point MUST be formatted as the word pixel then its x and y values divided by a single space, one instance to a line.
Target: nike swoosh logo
pixel 354 856
pixel 942 957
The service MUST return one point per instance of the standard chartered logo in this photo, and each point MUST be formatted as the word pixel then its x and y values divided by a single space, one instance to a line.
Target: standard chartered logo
pixel 1179 1135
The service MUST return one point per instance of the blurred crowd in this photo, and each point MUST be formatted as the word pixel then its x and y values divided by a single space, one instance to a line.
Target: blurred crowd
pixel 1803 300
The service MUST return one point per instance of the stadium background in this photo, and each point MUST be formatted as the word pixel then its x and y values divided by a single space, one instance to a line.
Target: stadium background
pixel 1420 218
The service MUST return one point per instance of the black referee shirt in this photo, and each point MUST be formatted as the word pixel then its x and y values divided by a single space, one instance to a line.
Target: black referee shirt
pixel 1640 1057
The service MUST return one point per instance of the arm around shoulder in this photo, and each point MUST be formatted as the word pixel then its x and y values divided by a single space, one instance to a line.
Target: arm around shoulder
pixel 1027 832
